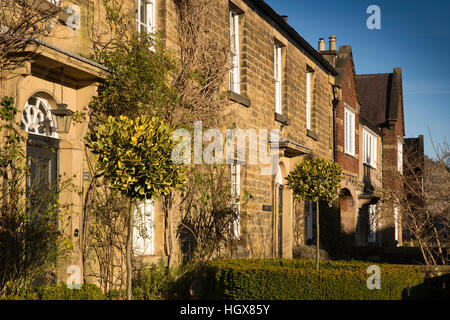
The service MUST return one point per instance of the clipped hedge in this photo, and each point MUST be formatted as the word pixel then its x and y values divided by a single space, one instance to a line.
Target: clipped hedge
pixel 61 292
pixel 278 279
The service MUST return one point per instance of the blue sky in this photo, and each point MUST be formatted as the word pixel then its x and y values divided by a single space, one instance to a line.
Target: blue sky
pixel 414 35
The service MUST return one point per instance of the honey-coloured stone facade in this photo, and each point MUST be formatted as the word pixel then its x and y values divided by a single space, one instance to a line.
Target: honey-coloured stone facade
pixel 271 222
pixel 263 232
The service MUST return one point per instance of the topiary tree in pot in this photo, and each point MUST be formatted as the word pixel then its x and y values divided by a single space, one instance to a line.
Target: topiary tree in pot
pixel 134 155
pixel 316 180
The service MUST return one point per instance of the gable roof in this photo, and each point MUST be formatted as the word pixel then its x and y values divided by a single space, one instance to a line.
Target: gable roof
pixel 382 97
pixel 375 91
pixel 344 57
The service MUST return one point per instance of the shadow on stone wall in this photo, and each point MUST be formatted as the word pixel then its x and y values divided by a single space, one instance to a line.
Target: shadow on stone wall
pixel 340 245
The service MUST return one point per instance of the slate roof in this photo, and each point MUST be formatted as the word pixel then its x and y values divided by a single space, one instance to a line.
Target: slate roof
pixel 375 92
pixel 381 96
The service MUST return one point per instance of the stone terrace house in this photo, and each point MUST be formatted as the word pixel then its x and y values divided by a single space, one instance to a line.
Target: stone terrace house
pixel 60 73
pixel 276 81
pixel 382 105
pixel 290 88
pixel 358 151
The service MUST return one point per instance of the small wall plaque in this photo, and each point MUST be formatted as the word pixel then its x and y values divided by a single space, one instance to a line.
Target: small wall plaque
pixel 86 176
pixel 267 207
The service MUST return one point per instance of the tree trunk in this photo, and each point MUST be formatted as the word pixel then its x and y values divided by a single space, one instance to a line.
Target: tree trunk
pixel 317 236
pixel 129 248
pixel 168 229
pixel 438 243
pixel 422 250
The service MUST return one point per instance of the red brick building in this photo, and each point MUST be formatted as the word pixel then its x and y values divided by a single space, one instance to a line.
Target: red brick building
pixel 382 105
pixel 358 151
pixel 346 136
pixel 347 111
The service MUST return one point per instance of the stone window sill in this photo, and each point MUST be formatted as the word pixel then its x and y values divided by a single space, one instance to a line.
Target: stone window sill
pixel 239 98
pixel 282 118
pixel 312 134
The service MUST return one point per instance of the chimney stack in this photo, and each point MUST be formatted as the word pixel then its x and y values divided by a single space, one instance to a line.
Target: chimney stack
pixel 284 18
pixel 332 43
pixel 331 54
pixel 321 44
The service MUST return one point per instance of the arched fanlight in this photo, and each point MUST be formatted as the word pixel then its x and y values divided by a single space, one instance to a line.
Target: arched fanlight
pixel 37 117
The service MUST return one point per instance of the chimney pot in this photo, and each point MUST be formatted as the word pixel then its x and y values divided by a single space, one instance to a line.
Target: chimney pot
pixel 285 18
pixel 321 44
pixel 332 43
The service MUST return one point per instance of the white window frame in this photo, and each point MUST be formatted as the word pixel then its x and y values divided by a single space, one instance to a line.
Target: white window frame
pixel 396 224
pixel 278 67
pixel 149 24
pixel 399 155
pixel 349 124
pixel 144 214
pixel 235 73
pixel 369 148
pixel 309 76
pixel 235 196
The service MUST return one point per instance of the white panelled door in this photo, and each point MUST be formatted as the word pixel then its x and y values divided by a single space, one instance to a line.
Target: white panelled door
pixel 144 229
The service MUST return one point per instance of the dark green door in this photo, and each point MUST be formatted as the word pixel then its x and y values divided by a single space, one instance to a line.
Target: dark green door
pixel 42 177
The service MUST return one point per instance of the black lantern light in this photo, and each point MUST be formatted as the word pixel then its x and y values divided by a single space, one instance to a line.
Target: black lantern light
pixel 62 117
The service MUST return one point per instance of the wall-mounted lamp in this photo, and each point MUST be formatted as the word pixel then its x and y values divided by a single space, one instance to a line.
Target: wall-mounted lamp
pixel 62 117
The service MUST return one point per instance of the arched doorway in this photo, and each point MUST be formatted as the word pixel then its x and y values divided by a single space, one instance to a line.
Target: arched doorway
pixel 347 208
pixel 279 188
pixel 282 215
pixel 42 149
pixel 367 225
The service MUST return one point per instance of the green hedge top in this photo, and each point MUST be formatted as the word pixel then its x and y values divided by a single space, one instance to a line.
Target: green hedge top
pixel 279 279
pixel 61 292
